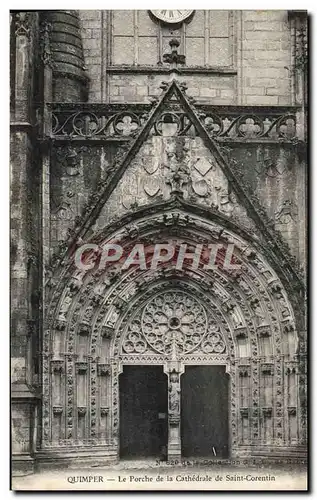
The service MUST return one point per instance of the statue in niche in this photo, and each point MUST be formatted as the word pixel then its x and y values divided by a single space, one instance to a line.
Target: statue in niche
pixel 64 308
pixel 174 395
pixel 258 312
pixel 114 315
pixel 235 315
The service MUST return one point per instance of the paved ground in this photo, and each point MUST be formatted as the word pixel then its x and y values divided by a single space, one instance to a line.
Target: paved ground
pixel 150 475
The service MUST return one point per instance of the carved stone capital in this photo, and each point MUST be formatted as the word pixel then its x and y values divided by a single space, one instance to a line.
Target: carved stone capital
pixel 103 369
pixel 57 366
pixel 82 410
pixel 107 331
pixel 57 410
pixel 84 329
pixel 267 411
pixel 264 331
pixel 241 332
pixel 291 410
pixel 174 419
pixel 267 369
pixel 289 327
pixel 104 410
pixel 81 367
pixel 244 412
pixel 244 371
pixel 290 368
pixel 60 324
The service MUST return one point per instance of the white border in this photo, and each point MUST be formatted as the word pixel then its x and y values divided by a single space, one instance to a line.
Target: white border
pixel 4 185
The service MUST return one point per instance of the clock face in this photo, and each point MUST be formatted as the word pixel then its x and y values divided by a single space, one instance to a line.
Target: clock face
pixel 172 16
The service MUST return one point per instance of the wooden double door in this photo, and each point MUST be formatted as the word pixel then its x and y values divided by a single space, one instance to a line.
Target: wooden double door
pixel 144 412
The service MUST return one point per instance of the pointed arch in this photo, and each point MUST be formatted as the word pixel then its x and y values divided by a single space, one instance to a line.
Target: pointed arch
pixel 90 315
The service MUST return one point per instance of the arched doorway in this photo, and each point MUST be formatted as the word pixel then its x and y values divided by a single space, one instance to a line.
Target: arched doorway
pixel 98 324
pixel 172 331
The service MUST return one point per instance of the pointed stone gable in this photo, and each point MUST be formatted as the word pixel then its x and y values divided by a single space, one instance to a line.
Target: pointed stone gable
pixel 173 154
pixel 159 153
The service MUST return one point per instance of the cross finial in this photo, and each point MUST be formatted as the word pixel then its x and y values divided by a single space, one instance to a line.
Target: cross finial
pixel 174 58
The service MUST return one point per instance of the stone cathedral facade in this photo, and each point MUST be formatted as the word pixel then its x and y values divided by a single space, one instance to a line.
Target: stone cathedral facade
pixel 147 127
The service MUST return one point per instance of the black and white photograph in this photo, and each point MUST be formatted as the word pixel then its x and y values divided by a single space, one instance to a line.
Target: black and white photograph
pixel 158 249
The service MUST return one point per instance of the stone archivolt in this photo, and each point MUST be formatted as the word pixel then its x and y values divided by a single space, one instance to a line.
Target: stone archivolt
pixel 191 316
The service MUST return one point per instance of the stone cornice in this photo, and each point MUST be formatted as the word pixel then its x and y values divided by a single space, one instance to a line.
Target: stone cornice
pixel 164 70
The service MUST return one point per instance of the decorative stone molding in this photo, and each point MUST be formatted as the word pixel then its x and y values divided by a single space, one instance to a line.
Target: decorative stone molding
pixel 276 123
pixel 22 24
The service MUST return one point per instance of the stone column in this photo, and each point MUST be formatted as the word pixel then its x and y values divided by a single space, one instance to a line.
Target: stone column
pixel 23 253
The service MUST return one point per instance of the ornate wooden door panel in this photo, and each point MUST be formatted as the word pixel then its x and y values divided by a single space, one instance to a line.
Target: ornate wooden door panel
pixel 143 403
pixel 204 414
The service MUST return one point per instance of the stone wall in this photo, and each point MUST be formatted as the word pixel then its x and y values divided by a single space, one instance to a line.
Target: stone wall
pixel 254 44
pixel 266 57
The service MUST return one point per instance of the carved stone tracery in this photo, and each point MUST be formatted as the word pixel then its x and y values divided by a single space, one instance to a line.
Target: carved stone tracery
pixel 174 320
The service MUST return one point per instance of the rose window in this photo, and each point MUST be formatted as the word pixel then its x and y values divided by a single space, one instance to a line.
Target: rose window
pixel 174 321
